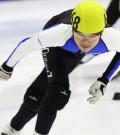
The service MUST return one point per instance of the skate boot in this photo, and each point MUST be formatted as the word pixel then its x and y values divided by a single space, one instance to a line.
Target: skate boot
pixel 8 130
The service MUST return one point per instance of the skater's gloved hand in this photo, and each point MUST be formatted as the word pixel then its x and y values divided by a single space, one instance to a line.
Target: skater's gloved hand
pixel 97 91
pixel 5 72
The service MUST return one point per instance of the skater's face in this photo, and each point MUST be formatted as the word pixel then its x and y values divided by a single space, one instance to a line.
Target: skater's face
pixel 86 42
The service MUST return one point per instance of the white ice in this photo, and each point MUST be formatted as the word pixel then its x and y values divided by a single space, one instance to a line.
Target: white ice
pixel 19 19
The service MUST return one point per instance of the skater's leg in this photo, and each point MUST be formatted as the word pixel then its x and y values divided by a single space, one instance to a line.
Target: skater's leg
pixel 31 103
pixel 113 12
pixel 53 100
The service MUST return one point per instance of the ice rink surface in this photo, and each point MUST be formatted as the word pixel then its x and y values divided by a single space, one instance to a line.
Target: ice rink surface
pixel 19 19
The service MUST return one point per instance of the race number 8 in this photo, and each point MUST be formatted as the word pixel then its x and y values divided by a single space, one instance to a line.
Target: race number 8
pixel 75 21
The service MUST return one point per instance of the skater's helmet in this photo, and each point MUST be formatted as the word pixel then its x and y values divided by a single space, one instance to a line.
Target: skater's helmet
pixel 89 17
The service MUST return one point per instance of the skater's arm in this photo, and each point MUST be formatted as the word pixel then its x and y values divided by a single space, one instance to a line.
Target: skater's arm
pixel 25 47
pixel 28 45
pixel 111 69
pixel 98 88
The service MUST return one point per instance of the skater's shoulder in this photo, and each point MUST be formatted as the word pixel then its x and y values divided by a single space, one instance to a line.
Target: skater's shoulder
pixel 112 34
pixel 110 31
pixel 56 36
pixel 57 29
pixel 111 38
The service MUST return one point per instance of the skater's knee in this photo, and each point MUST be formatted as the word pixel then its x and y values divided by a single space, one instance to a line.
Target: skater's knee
pixel 56 99
pixel 33 97
pixel 30 107
pixel 32 102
